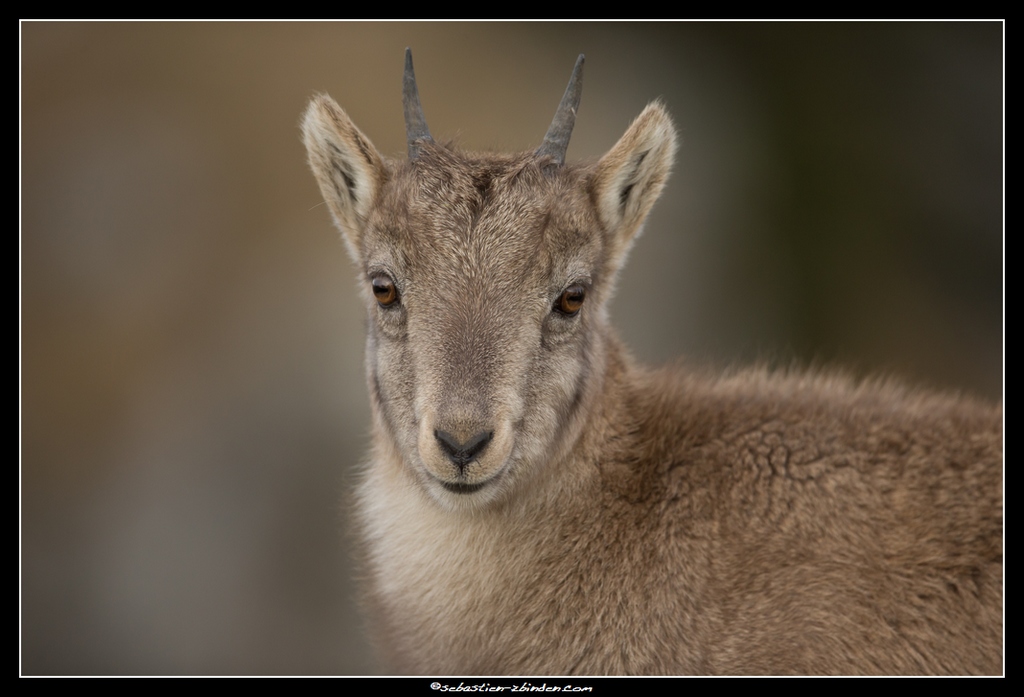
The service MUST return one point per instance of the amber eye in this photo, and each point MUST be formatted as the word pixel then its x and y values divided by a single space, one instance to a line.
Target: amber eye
pixel 571 299
pixel 384 290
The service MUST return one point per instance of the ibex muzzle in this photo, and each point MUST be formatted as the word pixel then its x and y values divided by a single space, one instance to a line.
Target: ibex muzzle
pixel 536 503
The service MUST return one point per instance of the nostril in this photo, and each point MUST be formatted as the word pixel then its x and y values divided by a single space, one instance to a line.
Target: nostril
pixel 461 454
pixel 477 443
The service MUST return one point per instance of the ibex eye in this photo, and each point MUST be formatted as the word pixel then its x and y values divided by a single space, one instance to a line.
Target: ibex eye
pixel 571 299
pixel 384 290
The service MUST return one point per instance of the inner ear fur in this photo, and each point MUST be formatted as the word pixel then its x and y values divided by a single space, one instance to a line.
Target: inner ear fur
pixel 630 177
pixel 347 167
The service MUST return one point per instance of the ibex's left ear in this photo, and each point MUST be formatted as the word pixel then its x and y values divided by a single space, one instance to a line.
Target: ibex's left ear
pixel 630 177
pixel 347 167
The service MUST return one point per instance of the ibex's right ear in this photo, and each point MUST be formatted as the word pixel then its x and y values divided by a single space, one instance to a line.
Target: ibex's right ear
pixel 348 168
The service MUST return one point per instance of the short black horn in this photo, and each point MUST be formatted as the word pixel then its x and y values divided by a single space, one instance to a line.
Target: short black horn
pixel 416 130
pixel 556 142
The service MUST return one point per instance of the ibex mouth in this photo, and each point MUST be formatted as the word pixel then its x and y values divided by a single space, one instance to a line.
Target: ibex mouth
pixel 457 488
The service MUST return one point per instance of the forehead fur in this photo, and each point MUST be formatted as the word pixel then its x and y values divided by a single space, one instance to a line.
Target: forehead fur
pixel 507 210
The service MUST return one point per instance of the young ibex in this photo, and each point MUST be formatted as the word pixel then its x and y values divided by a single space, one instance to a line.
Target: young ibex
pixel 536 503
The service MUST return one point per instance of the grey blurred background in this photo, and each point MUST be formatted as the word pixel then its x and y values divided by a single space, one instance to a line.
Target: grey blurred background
pixel 192 393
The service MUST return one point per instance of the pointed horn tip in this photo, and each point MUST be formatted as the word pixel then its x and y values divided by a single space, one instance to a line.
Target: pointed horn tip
pixel 577 72
pixel 416 130
pixel 556 140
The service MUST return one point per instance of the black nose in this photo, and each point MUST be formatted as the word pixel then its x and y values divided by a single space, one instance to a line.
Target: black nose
pixel 461 454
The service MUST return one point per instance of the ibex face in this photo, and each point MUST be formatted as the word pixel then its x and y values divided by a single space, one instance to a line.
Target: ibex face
pixel 486 280
pixel 475 271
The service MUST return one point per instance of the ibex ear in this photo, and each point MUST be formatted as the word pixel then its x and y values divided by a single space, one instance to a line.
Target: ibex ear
pixel 347 167
pixel 630 177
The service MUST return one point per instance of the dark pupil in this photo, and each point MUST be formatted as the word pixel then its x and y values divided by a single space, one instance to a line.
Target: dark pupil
pixel 572 299
pixel 384 290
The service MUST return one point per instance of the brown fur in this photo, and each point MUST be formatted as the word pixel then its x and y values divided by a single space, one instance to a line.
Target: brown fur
pixel 623 520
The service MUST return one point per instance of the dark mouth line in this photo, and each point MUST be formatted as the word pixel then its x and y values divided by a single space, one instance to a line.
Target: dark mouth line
pixel 462 488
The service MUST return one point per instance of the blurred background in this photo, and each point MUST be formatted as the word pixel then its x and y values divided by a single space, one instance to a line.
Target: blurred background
pixel 192 396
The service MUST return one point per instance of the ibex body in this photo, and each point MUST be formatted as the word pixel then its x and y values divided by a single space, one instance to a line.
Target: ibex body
pixel 535 503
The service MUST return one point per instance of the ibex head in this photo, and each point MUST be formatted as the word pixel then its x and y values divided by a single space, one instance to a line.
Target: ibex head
pixel 486 280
